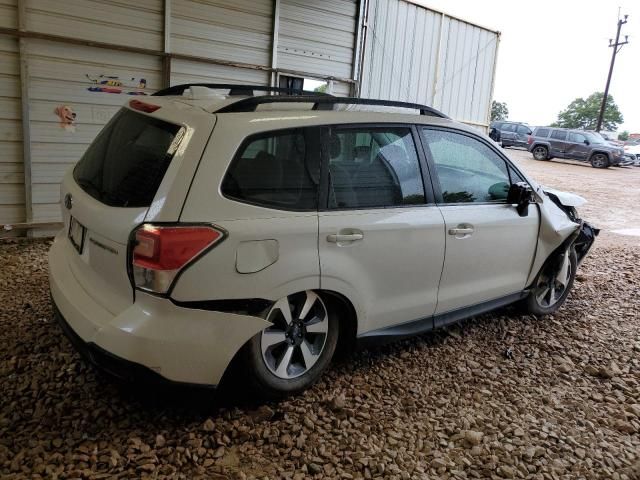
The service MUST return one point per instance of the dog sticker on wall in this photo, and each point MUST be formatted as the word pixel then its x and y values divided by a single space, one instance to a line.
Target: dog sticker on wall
pixel 67 117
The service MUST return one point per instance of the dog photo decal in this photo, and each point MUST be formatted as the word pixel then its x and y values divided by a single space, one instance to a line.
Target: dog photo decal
pixel 67 117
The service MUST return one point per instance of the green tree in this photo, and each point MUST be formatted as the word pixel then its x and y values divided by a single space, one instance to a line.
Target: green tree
pixel 321 88
pixel 499 111
pixel 624 136
pixel 583 113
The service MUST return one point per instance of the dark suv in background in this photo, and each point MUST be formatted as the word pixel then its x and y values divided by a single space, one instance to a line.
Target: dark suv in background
pixel 547 143
pixel 512 134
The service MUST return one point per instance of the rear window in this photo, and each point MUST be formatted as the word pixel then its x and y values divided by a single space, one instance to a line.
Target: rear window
pixel 275 170
pixel 125 164
pixel 542 132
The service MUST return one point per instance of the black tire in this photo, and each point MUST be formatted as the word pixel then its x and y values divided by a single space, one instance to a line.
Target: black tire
pixel 263 382
pixel 599 160
pixel 540 152
pixel 548 271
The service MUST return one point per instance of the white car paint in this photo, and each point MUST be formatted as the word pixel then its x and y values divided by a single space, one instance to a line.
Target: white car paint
pixel 566 198
pixel 395 274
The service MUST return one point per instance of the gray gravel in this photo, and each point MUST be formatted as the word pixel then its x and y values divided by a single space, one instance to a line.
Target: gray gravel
pixel 445 405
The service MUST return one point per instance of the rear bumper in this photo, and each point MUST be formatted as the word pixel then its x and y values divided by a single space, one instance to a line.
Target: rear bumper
pixel 152 339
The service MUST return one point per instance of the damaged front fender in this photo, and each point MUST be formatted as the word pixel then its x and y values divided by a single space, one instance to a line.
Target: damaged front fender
pixel 560 228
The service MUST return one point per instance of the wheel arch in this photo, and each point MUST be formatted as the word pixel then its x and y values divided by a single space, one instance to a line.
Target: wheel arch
pixel 348 319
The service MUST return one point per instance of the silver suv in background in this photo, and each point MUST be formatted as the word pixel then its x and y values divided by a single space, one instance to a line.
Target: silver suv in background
pixel 547 143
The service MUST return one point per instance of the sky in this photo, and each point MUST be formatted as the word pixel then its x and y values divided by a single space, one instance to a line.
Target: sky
pixel 552 52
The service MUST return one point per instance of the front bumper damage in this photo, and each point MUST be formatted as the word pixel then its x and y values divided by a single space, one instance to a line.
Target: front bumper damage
pixel 584 240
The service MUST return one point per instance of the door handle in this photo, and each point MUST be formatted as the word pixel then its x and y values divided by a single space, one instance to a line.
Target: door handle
pixel 464 230
pixel 344 237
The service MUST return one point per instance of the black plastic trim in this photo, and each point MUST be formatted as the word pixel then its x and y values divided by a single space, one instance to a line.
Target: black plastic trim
pixel 254 307
pixel 324 103
pixel 426 324
pixel 236 89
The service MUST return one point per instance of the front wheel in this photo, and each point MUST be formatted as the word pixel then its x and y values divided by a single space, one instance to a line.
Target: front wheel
pixel 540 153
pixel 599 160
pixel 553 283
pixel 291 354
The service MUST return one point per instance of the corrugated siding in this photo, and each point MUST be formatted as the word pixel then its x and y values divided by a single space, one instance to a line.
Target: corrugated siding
pixel 9 13
pixel 403 44
pixel 58 76
pixel 185 71
pixel 138 24
pixel 317 37
pixel 11 166
pixel 237 31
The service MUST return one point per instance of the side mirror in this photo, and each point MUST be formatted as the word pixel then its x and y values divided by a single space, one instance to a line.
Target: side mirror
pixel 586 142
pixel 520 195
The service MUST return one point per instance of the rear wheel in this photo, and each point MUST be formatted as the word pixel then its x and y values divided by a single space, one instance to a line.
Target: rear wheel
pixel 291 354
pixel 540 152
pixel 599 160
pixel 553 283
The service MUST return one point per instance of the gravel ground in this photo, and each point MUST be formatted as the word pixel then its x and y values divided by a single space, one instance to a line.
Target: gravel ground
pixel 451 404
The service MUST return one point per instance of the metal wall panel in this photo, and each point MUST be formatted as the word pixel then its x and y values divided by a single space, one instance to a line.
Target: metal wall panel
pixel 185 71
pixel 11 167
pixel 237 31
pixel 58 77
pixel 317 37
pixel 9 13
pixel 138 23
pixel 419 55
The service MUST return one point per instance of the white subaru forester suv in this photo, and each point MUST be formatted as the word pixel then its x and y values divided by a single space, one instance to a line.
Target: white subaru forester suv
pixel 207 226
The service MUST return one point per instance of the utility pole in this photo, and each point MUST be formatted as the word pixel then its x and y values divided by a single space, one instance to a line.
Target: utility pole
pixel 616 48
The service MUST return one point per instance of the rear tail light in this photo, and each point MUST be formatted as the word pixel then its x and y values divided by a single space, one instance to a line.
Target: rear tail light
pixel 529 139
pixel 160 252
pixel 143 106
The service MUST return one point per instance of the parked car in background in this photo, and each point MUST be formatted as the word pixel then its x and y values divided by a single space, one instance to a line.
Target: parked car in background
pixel 547 143
pixel 512 134
pixel 632 151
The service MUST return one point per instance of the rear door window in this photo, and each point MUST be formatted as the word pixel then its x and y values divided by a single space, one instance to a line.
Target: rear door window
pixel 127 161
pixel 372 167
pixel 559 135
pixel 276 170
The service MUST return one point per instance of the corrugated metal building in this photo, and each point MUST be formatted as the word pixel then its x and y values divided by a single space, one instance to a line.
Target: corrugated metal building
pixel 67 66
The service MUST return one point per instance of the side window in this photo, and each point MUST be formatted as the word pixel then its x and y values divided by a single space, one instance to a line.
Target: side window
pixel 468 170
pixel 508 127
pixel 542 132
pixel 275 170
pixel 559 135
pixel 576 137
pixel 523 129
pixel 373 167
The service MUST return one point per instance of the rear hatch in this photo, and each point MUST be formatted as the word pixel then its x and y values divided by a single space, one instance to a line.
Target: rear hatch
pixel 138 169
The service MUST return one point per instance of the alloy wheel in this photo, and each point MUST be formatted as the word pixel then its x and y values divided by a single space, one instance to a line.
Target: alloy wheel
pixel 297 336
pixel 553 282
pixel 540 153
pixel 599 161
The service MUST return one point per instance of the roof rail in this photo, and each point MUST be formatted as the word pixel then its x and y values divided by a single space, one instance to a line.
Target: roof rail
pixel 235 89
pixel 324 103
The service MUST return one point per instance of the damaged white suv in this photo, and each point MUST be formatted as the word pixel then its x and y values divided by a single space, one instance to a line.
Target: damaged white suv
pixel 207 227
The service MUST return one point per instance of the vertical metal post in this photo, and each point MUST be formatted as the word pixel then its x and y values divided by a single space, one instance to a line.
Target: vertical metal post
pixel 166 45
pixel 274 42
pixel 615 46
pixel 358 47
pixel 26 123
pixel 437 66
pixel 493 82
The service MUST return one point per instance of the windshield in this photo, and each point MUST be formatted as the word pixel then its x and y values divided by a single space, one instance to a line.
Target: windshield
pixel 125 164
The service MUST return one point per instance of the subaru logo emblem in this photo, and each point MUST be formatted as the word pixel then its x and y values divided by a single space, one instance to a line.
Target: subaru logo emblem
pixel 68 201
